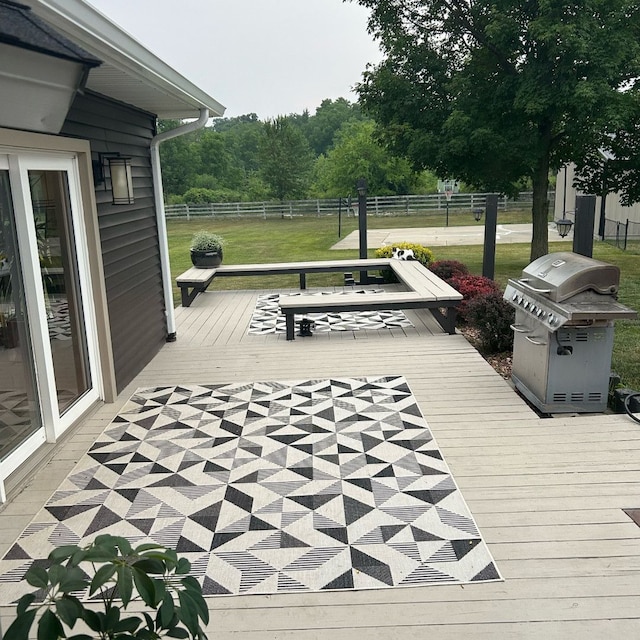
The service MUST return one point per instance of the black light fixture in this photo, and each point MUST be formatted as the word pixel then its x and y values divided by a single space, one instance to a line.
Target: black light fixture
pixel 563 226
pixel 120 174
pixel 361 186
pixel 477 215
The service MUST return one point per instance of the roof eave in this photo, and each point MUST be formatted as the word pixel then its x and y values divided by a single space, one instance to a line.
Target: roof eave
pixel 103 38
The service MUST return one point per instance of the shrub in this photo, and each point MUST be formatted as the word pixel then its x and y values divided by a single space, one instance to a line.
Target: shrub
pixel 492 316
pixel 422 254
pixel 471 287
pixel 447 269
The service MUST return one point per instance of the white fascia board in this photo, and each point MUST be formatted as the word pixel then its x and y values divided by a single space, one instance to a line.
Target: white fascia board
pixel 96 33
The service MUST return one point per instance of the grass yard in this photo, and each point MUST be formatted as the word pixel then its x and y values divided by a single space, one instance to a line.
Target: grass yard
pixel 252 240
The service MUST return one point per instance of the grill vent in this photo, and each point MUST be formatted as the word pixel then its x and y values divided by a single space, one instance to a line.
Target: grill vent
pixel 582 336
pixel 577 397
pixel 559 397
pixel 595 397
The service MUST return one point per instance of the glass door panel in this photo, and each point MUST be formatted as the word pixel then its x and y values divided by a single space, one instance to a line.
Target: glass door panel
pixel 20 415
pixel 56 246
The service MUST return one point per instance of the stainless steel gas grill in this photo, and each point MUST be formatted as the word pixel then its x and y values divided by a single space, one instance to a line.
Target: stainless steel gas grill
pixel 563 332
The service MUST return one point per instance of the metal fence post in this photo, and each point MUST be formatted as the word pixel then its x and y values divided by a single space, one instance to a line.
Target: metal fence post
pixel 626 234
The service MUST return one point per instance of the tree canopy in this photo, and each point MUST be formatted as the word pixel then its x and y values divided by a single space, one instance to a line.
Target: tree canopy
pixel 494 91
pixel 294 156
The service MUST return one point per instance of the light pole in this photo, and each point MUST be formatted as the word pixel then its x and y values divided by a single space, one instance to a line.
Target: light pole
pixel 361 187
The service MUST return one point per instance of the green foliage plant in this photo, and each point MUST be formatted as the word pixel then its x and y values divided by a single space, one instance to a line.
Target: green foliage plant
pixel 116 575
pixel 204 240
pixel 422 254
pixel 492 317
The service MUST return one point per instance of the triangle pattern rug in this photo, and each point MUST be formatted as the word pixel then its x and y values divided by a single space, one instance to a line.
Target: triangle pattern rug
pixel 270 487
pixel 267 317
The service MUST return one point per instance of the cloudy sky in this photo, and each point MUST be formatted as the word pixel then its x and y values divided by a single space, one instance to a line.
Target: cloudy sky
pixel 269 57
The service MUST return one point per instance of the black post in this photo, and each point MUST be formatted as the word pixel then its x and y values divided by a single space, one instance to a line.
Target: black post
pixel 361 186
pixel 340 218
pixel 583 229
pixel 490 225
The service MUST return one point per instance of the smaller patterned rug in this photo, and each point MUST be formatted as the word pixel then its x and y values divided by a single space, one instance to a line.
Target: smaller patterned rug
pixel 267 317
pixel 270 487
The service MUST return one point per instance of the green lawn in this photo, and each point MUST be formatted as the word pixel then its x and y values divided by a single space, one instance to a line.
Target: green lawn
pixel 252 240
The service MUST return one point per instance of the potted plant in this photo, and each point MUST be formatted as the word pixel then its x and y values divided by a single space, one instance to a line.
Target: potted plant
pixel 115 574
pixel 206 249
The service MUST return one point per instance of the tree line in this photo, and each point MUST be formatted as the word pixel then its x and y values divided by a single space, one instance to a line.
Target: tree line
pixel 294 156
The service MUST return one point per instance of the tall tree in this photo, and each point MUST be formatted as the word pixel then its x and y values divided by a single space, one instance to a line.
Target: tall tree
pixel 493 91
pixel 286 159
pixel 356 153
pixel 329 117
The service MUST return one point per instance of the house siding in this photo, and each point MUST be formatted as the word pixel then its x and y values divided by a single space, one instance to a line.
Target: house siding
pixel 128 233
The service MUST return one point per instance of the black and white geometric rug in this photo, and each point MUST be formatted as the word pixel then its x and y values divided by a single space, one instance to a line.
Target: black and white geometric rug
pixel 267 317
pixel 271 487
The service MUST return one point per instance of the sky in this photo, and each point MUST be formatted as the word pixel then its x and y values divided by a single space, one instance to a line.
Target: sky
pixel 270 57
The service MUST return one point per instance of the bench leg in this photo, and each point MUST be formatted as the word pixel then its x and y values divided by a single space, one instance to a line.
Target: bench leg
pixel 290 320
pixel 187 297
pixel 448 320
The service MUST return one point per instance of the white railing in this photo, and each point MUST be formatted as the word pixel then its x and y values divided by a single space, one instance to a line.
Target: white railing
pixel 376 205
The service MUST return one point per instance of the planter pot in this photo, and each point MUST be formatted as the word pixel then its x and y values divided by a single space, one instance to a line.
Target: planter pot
pixel 206 259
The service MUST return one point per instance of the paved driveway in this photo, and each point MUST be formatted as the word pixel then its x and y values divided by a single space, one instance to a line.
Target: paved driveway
pixel 445 236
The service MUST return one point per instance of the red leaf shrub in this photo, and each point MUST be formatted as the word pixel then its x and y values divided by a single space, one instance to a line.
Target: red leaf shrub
pixel 447 269
pixel 471 287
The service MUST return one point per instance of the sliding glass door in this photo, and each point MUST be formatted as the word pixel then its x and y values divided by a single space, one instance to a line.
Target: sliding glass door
pixel 47 322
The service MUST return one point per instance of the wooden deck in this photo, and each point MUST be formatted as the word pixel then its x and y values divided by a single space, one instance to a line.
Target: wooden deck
pixel 547 494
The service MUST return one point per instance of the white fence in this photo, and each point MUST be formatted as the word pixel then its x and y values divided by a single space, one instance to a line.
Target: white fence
pixel 376 205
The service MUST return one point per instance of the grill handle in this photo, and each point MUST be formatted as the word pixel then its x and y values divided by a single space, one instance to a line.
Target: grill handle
pixel 525 283
pixel 536 342
pixel 519 328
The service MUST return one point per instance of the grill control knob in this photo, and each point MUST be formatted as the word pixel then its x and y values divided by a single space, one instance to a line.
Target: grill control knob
pixel 526 304
pixel 515 297
pixel 551 318
pixel 540 313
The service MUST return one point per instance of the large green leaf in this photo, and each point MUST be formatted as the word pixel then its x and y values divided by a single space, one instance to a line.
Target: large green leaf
pixel 145 586
pixel 25 601
pixel 20 627
pixel 49 627
pixel 37 577
pixel 101 577
pixel 64 552
pixel 74 579
pixel 69 609
pixel 125 584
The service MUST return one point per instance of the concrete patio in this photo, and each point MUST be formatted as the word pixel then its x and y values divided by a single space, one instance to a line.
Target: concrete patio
pixel 547 494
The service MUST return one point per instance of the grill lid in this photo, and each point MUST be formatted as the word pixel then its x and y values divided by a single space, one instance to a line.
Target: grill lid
pixel 562 275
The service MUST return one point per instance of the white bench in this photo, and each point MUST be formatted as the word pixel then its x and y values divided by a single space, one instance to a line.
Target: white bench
pixel 425 290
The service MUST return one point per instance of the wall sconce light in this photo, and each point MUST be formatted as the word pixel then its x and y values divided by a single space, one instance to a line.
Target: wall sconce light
pixel 477 215
pixel 563 226
pixel 361 186
pixel 120 174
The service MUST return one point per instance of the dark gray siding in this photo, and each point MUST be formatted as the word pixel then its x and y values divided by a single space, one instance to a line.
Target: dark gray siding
pixel 128 232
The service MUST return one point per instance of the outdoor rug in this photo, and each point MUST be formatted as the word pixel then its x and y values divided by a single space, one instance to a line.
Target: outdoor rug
pixel 267 317
pixel 270 487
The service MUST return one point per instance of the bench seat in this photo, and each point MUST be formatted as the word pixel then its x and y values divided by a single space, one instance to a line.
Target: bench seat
pixel 426 290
